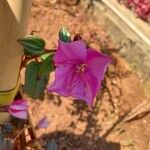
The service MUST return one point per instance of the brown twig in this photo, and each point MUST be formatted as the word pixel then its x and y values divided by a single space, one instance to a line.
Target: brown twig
pixel 50 50
pixel 138 112
pixel 20 132
pixel 119 121
pixel 23 140
pixel 25 58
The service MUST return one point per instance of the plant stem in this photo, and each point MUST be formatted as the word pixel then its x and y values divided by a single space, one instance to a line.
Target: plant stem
pixel 20 132
pixel 31 130
pixel 25 58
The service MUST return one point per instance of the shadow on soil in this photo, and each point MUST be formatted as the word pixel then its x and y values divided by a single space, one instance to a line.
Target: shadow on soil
pixel 89 139
pixel 69 141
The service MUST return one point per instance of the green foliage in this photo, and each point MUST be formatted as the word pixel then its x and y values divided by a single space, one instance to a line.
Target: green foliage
pixel 64 35
pixel 40 86
pixel 37 76
pixel 52 145
pixel 46 65
pixel 33 45
pixel 31 76
pixel 44 56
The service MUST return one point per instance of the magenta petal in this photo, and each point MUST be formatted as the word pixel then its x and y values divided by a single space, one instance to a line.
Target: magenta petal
pixel 18 107
pixel 78 88
pixel 61 77
pixel 19 114
pixel 97 63
pixel 70 52
pixel 92 87
pixel 85 87
pixel 20 102
pixel 43 123
pixel 14 110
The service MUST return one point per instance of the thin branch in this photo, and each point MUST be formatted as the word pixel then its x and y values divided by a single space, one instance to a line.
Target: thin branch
pixel 25 58
pixel 20 132
pixel 50 50
pixel 119 121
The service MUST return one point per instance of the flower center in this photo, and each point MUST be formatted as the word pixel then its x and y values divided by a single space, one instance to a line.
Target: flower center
pixel 80 68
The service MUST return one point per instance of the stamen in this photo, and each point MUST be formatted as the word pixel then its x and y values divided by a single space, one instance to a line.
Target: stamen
pixel 80 68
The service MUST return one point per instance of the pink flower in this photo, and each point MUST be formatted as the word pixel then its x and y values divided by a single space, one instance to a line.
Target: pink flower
pixel 18 109
pixel 79 71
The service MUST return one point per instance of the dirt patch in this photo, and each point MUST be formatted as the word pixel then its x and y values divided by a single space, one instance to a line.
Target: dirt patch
pixel 73 125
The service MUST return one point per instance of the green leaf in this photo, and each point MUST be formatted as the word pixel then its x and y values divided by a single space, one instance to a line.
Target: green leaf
pixel 64 35
pixel 31 75
pixel 44 56
pixel 37 76
pixel 40 86
pixel 33 45
pixel 52 145
pixel 46 65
